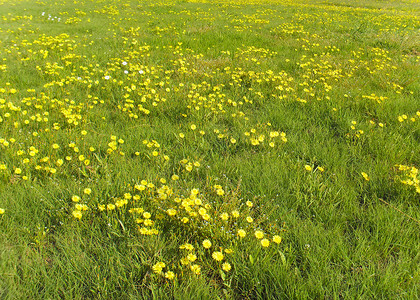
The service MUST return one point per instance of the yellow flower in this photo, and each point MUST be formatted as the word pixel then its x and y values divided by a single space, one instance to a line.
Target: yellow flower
pixel 87 191
pixel 110 206
pixel 217 255
pixel 259 234
pixel 241 233
pixel 191 257
pixel 224 216
pixel 18 171
pixel 308 168
pixel 75 198
pixel 175 177
pixel 249 219
pixel 226 266
pixel 365 176
pixel 249 204
pixel 235 214
pixel 171 212
pixel 196 269
pixel 170 275
pixel 277 239
pixel 206 244
pixel 193 127
pixel 265 242
pixel 77 214
pixel 187 246
pixel 157 268
pixel 2 210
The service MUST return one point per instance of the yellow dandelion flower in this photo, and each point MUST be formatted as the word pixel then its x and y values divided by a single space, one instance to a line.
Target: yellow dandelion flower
pixel 87 191
pixel 217 255
pixel 171 212
pixel 2 211
pixel 265 242
pixel 191 257
pixel 226 266
pixel 241 233
pixel 224 216
pixel 235 214
pixel 170 275
pixel 196 269
pixel 206 244
pixel 77 214
pixel 277 239
pixel 75 198
pixel 157 268
pixel 259 234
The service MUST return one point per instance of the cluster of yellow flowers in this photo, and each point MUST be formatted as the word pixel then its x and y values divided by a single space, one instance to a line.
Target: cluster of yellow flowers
pixel 413 119
pixel 58 128
pixel 213 230
pixel 410 177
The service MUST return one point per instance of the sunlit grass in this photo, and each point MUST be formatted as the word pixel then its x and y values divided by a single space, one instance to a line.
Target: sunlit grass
pixel 209 149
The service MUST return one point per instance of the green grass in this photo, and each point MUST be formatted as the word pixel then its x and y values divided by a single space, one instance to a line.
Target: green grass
pixel 308 70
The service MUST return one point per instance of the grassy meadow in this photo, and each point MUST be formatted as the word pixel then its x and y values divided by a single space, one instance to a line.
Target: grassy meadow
pixel 224 149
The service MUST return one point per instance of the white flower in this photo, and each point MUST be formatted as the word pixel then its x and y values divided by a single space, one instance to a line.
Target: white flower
pixel 107 77
pixel 124 63
pixel 141 72
pixel 125 72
